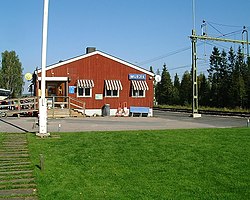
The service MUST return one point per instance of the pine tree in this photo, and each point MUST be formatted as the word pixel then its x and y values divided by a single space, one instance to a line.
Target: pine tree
pixel 224 81
pixel 248 82
pixel 186 89
pixel 238 90
pixel 176 90
pixel 231 66
pixel 151 69
pixel 213 75
pixel 164 91
pixel 203 90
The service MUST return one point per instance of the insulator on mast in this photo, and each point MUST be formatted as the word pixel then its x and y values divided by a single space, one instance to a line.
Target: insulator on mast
pixel 204 28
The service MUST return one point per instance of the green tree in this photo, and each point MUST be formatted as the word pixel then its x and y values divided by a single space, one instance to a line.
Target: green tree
pixel 151 69
pixel 238 90
pixel 231 66
pixel 12 73
pixel 203 90
pixel 176 90
pixel 164 90
pixel 213 76
pixel 224 81
pixel 248 82
pixel 186 89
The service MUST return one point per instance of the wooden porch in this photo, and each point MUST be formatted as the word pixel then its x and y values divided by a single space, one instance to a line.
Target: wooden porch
pixel 57 106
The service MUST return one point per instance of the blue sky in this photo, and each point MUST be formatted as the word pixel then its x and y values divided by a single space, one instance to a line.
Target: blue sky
pixel 143 32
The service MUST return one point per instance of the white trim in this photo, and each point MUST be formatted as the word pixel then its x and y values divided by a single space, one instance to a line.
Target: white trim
pixel 103 54
pixel 54 78
pixel 112 92
pixel 94 112
pixel 138 96
pixel 84 95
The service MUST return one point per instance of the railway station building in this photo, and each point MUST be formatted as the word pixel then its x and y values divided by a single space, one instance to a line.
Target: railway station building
pixel 103 83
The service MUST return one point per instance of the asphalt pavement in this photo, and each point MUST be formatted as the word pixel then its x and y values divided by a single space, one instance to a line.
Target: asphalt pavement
pixel 161 120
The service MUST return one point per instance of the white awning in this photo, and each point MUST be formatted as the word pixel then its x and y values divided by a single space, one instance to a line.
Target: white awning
pixel 85 83
pixel 140 85
pixel 48 78
pixel 113 85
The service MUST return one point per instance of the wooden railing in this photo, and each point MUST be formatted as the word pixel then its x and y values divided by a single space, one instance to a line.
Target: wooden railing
pixel 76 103
pixel 30 104
pixel 19 105
pixel 65 102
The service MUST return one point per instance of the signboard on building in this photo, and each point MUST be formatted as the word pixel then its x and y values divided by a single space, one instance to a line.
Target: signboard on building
pixel 137 76
pixel 71 89
pixel 98 96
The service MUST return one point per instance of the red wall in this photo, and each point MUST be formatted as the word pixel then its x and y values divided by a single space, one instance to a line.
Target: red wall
pixel 100 68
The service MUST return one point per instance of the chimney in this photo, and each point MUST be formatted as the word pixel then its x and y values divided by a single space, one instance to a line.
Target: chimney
pixel 90 49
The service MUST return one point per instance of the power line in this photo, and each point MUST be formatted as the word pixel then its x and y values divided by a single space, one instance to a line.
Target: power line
pixel 232 26
pixel 232 33
pixel 186 66
pixel 217 45
pixel 215 28
pixel 188 48
pixel 164 56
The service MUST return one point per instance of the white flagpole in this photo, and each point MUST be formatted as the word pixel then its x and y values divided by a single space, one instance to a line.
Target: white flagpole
pixel 42 100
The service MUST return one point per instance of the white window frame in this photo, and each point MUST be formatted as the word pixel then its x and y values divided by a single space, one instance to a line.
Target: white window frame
pixel 138 93
pixel 84 93
pixel 112 95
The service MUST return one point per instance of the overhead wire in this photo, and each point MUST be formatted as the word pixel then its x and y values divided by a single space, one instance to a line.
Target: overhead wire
pixel 186 48
pixel 166 55
pixel 231 33
pixel 199 44
pixel 219 45
pixel 215 28
pixel 186 66
pixel 226 25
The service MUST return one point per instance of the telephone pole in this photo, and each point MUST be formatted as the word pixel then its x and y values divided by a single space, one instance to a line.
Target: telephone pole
pixel 194 39
pixel 195 113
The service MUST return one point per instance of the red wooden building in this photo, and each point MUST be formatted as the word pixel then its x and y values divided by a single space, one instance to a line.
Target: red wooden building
pixel 100 80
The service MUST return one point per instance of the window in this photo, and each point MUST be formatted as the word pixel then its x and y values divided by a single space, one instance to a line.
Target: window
pixel 84 88
pixel 84 92
pixel 138 93
pixel 138 88
pixel 112 93
pixel 112 88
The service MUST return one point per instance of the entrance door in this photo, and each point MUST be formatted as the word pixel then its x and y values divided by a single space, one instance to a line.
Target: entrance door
pixel 51 88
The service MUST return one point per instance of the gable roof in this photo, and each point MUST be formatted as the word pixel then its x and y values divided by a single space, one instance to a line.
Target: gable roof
pixel 102 54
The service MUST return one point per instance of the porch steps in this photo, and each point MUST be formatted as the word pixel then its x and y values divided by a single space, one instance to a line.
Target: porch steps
pixel 60 113
pixel 57 113
pixel 76 113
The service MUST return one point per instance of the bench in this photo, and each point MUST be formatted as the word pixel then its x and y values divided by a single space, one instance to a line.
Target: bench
pixel 138 111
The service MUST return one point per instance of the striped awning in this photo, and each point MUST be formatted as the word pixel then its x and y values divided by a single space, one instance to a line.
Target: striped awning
pixel 113 85
pixel 140 85
pixel 85 83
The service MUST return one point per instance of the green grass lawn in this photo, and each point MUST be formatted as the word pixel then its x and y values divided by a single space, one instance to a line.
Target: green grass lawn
pixel 166 164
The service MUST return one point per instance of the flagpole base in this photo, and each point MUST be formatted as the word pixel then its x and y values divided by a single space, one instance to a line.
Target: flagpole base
pixel 196 115
pixel 43 135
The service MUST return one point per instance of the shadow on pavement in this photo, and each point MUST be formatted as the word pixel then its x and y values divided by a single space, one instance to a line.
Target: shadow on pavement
pixel 18 127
